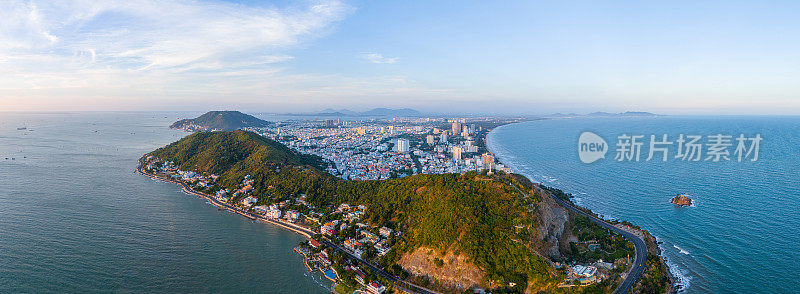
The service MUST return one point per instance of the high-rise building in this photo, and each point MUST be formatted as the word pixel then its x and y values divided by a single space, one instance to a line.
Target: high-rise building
pixel 468 147
pixel 402 145
pixel 487 161
pixel 429 139
pixel 456 153
pixel 456 128
pixel 443 137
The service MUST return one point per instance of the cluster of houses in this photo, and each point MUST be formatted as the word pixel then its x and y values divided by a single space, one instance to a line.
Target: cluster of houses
pixel 349 214
pixel 274 211
pixel 362 150
pixel 169 167
pixel 587 274
pixel 373 287
pixel 322 260
pixel 367 239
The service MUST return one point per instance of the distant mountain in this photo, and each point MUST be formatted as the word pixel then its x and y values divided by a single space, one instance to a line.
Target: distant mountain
pixel 627 113
pixel 220 121
pixel 374 112
pixel 604 114
pixel 334 112
pixel 391 112
pixel 558 114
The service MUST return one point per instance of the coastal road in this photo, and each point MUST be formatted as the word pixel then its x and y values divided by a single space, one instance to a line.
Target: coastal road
pixel 638 244
pixel 398 283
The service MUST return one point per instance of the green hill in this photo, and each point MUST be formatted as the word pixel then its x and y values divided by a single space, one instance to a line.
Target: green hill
pixel 484 218
pixel 220 121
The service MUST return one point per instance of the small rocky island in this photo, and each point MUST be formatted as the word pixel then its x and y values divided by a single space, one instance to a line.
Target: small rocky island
pixel 681 200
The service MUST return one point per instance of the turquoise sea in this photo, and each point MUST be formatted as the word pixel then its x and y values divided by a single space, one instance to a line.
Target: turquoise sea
pixel 75 218
pixel 743 231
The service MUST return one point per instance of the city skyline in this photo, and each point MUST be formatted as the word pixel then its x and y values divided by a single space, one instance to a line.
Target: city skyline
pixel 304 56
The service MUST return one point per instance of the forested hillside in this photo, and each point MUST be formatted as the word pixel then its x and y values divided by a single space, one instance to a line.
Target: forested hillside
pixel 490 219
pixel 221 121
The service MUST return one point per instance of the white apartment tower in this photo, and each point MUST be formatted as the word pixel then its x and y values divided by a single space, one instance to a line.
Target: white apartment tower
pixel 456 153
pixel 402 145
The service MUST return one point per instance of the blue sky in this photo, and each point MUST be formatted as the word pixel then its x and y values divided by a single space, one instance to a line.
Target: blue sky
pixel 677 57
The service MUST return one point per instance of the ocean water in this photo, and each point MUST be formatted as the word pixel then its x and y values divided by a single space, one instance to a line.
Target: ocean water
pixel 743 231
pixel 74 217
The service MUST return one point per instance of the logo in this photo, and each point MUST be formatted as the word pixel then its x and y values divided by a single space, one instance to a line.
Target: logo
pixel 591 147
pixel 690 148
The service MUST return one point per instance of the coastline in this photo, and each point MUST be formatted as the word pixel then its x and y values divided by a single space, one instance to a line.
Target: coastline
pixel 640 238
pixel 305 232
pixel 399 284
pixel 674 286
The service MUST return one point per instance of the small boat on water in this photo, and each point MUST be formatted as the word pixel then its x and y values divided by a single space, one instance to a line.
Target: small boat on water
pixel 22 129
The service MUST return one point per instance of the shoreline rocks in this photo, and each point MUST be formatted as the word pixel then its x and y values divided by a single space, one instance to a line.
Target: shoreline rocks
pixel 681 200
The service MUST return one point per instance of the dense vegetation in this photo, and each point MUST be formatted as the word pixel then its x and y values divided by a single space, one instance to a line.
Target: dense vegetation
pixel 222 120
pixel 596 242
pixel 487 218
pixel 483 217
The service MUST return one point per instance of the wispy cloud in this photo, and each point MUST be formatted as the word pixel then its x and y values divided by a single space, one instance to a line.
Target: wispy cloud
pixel 160 34
pixel 379 58
pixel 85 54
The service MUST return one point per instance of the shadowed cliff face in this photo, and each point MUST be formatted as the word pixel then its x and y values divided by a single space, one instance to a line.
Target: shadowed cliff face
pixel 552 220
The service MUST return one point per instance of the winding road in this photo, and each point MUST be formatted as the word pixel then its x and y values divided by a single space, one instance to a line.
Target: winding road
pixel 636 270
pixel 638 244
pixel 398 283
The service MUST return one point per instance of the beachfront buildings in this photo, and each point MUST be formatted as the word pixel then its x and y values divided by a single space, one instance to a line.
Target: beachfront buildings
pixel 248 201
pixel 382 149
pixel 487 161
pixel 376 288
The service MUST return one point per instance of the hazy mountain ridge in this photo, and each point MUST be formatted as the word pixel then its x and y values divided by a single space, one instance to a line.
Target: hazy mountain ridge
pixel 606 114
pixel 380 111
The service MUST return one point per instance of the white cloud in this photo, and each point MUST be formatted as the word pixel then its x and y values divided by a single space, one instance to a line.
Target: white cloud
pixel 160 34
pixel 184 54
pixel 58 44
pixel 379 58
